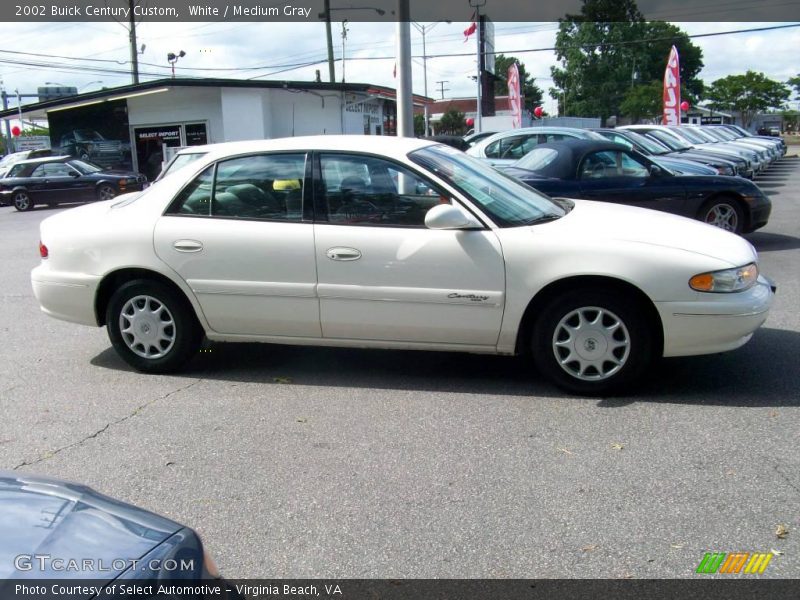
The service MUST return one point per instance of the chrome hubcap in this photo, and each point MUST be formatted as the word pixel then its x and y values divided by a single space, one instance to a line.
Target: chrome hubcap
pixel 591 343
pixel 21 201
pixel 723 216
pixel 106 193
pixel 147 327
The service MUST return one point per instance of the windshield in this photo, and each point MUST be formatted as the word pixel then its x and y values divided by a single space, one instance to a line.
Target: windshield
pixel 708 135
pixel 670 141
pixel 85 167
pixel 507 201
pixel 180 161
pixel 689 135
pixel 88 135
pixel 537 159
pixel 722 133
pixel 648 144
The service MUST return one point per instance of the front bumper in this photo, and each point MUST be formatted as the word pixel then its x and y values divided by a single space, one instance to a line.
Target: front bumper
pixel 66 296
pixel 715 322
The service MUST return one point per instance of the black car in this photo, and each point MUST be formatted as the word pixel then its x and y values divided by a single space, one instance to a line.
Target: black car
pixel 63 532
pixel 63 179
pixel 610 172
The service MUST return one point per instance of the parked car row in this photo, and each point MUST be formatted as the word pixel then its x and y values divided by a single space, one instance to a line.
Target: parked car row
pixel 685 170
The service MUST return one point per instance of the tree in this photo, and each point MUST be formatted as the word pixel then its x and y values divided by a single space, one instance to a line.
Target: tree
pixel 531 93
pixel 643 102
pixel 419 125
pixel 795 83
pixel 747 94
pixel 453 123
pixel 609 47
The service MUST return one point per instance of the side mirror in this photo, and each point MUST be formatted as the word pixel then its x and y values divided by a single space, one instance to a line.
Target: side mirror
pixel 449 216
pixel 656 171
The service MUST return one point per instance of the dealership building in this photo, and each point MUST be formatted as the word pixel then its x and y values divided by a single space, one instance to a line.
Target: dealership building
pixel 134 126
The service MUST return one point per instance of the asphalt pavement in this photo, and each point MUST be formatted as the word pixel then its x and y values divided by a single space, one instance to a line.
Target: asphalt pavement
pixel 321 462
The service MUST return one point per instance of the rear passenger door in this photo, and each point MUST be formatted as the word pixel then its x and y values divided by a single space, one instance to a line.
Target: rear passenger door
pixel 239 236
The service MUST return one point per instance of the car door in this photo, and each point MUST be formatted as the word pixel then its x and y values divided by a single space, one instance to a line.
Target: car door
pixel 619 176
pixel 383 275
pixel 39 185
pixel 238 236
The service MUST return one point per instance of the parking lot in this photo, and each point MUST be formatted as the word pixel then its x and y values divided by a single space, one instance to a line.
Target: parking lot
pixel 322 462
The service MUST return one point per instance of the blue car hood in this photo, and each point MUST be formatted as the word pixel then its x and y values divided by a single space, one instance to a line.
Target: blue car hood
pixel 43 517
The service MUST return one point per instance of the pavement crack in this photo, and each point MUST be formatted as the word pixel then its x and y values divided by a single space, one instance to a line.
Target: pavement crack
pixel 785 477
pixel 50 454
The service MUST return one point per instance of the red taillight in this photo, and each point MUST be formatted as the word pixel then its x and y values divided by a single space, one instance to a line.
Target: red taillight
pixel 43 250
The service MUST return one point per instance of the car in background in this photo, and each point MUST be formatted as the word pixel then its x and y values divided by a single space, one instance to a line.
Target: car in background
pixel 88 144
pixel 473 138
pixel 506 147
pixel 660 154
pixel 396 243
pixel 57 530
pixel 766 155
pixel 11 159
pixel 775 145
pixel 58 179
pixel 611 172
pixel 678 145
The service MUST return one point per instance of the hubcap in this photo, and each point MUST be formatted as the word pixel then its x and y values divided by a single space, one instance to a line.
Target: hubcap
pixel 106 193
pixel 22 201
pixel 591 343
pixel 147 327
pixel 723 216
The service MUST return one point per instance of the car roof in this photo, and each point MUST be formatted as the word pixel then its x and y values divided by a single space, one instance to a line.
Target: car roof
pixel 45 159
pixel 570 153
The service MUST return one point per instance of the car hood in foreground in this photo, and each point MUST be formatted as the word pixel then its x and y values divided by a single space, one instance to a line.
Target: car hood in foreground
pixel 43 517
pixel 619 223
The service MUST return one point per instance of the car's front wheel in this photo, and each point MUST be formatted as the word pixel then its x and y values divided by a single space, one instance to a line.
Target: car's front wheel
pixel 22 201
pixel 723 212
pixel 592 342
pixel 106 192
pixel 151 327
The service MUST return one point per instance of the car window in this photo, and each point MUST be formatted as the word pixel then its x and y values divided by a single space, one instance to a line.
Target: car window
pixel 364 190
pixel 16 171
pixel 611 163
pixel 511 147
pixel 537 159
pixel 264 186
pixel 55 170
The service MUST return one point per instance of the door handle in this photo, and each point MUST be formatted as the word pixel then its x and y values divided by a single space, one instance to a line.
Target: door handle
pixel 343 254
pixel 187 246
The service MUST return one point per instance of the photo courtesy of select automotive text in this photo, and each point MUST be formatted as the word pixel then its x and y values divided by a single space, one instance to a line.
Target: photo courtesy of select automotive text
pixel 399 300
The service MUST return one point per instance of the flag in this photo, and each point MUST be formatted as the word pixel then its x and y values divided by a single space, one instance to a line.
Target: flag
pixel 672 90
pixel 471 29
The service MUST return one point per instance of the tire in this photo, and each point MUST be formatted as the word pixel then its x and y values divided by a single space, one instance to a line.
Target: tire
pixel 22 201
pixel 162 337
pixel 106 192
pixel 723 212
pixel 573 345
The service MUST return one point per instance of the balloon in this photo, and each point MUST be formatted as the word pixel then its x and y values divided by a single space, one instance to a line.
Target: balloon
pixel 470 122
pixel 538 111
pixel 15 131
pixel 684 106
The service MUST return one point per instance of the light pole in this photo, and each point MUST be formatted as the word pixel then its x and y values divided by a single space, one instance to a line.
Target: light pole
pixel 423 29
pixel 344 39
pixel 172 58
pixel 326 16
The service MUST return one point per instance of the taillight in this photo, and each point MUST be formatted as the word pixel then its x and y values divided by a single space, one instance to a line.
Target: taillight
pixel 43 252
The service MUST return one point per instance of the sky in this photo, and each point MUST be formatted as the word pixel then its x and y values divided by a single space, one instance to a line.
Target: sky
pixel 94 55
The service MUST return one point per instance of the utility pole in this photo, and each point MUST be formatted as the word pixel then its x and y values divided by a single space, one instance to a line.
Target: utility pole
pixel 405 117
pixel 132 36
pixel 442 89
pixel 329 35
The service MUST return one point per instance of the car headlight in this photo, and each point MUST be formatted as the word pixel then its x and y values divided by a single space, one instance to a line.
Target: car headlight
pixel 737 279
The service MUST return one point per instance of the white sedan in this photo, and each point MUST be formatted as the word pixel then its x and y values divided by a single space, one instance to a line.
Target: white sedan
pixel 395 243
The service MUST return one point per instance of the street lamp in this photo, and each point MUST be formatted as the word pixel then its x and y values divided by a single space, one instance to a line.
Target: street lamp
pixel 172 58
pixel 423 29
pixel 326 15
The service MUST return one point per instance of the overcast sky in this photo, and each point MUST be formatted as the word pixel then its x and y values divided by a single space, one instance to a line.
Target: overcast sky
pixel 271 51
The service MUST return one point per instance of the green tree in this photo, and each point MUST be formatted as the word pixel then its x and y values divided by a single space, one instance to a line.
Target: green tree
pixel 531 93
pixel 642 102
pixel 795 83
pixel 453 123
pixel 747 94
pixel 419 125
pixel 609 47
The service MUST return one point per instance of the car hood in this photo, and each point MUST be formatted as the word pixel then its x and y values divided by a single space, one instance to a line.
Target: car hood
pixel 616 222
pixel 40 516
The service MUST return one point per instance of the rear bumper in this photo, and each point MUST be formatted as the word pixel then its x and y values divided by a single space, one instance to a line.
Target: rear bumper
pixel 715 322
pixel 66 296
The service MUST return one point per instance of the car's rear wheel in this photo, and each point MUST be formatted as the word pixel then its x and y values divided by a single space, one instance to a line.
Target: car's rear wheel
pixel 151 327
pixel 594 342
pixel 22 201
pixel 106 192
pixel 723 212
